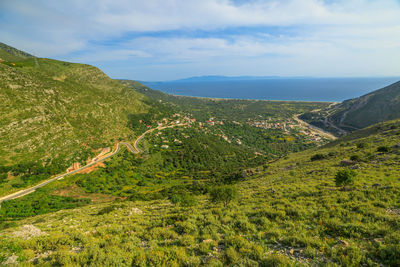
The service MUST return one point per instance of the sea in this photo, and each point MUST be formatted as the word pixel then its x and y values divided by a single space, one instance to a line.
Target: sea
pixel 292 89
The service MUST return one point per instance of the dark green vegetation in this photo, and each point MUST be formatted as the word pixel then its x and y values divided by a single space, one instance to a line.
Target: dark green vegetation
pixel 236 119
pixel 40 202
pixel 378 106
pixel 345 177
pixel 29 172
pixel 224 194
pixel 191 166
pixel 292 213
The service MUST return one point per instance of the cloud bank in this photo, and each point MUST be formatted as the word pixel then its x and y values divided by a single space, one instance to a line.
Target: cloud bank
pixel 168 39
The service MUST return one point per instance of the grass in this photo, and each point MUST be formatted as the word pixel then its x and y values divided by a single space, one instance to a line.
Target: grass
pixel 202 200
pixel 56 113
pixel 292 214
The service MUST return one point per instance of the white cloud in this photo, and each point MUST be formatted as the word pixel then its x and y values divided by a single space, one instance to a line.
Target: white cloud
pixel 323 35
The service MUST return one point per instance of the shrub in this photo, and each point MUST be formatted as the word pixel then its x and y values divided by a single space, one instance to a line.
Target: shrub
pixel 275 259
pixel 355 157
pixel 3 177
pixel 106 210
pixel 317 157
pixel 383 149
pixel 185 227
pixel 345 177
pixel 185 200
pixel 362 145
pixel 231 255
pixel 224 194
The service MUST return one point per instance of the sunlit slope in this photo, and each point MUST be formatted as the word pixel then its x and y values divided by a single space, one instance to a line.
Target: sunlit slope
pixel 51 109
pixel 377 106
pixel 292 214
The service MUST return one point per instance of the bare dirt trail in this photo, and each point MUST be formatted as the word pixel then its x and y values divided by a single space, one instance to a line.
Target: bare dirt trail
pixel 134 149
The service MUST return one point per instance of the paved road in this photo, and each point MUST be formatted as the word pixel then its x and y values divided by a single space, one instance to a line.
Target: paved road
pixel 134 149
pixel 33 188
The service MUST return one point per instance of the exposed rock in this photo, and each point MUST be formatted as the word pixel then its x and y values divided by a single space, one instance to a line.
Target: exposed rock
pixel 347 162
pixel 10 260
pixel 376 185
pixel 76 249
pixel 41 256
pixel 395 211
pixel 343 243
pixel 355 167
pixel 135 211
pixel 28 231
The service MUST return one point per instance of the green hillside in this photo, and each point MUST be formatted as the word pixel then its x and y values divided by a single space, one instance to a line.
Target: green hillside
pixel 217 183
pixel 54 113
pixel 294 213
pixel 8 53
pixel 380 105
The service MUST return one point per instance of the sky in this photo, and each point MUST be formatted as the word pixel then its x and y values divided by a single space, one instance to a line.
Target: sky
pixel 154 40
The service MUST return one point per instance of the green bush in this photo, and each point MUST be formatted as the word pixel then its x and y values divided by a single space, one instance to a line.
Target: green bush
pixel 185 200
pixel 362 145
pixel 318 157
pixel 106 210
pixel 355 157
pixel 345 177
pixel 224 194
pixel 383 149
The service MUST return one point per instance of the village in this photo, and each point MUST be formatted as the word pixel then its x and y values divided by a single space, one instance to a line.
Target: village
pixel 288 126
pixel 212 125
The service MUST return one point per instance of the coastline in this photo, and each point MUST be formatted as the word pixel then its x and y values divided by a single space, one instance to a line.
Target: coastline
pixel 248 99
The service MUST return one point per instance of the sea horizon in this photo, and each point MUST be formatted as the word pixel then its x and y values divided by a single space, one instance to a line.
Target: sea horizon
pixel 276 89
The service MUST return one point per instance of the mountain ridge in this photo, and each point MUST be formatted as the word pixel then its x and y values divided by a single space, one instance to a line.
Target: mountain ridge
pixel 357 113
pixel 55 113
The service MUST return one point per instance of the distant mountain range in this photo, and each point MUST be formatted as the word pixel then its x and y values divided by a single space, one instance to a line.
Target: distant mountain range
pixel 221 78
pixel 216 78
pixel 354 114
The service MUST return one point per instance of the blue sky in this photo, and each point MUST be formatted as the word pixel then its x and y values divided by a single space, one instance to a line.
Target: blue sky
pixel 171 39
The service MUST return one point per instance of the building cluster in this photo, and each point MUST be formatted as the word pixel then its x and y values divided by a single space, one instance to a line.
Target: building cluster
pixel 284 125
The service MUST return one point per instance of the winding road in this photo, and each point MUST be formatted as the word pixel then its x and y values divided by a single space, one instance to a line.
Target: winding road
pixel 134 149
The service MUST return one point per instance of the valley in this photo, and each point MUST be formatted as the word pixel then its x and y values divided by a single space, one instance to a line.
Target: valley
pixel 186 181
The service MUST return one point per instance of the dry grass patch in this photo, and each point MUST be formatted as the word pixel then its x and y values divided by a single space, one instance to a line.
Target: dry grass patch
pixel 78 193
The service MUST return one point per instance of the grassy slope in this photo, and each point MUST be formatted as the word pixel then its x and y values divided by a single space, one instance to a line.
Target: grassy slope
pixel 50 109
pixel 291 214
pixel 8 53
pixel 59 112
